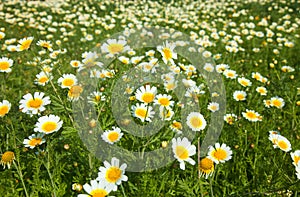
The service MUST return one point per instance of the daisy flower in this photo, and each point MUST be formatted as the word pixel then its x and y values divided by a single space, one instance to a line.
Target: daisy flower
pixel 124 60
pixel 277 102
pixel 163 100
pixel 230 74
pixel 281 142
pixel 90 60
pixel 4 107
pixel 112 174
pixel 48 124
pixel 244 82
pixel 45 44
pixel 251 115
pixel 67 81
pixel 208 67
pixel 196 121
pixel 2 35
pixel 183 149
pixel 239 95
pixel 24 44
pixel 34 140
pixel 112 136
pixel 296 157
pixel 114 47
pixel 206 167
pixel 219 153
pixel 176 127
pixel 220 68
pixel 75 64
pixel 34 104
pixel 230 118
pixel 213 106
pixel 167 52
pixel 95 189
pixel 95 97
pixel 170 85
pixel 262 91
pixel 146 94
pixel 42 78
pixel 165 113
pixel 6 64
pixel 267 103
pixel 74 92
pixel 142 112
pixel 7 158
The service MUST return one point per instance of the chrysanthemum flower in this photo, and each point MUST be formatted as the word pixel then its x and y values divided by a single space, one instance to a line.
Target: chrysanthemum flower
pixel 75 64
pixel 34 104
pixel 24 44
pixel 146 94
pixel 239 95
pixel 74 92
pixel 7 158
pixel 167 52
pixel 114 47
pixel 230 118
pixel 112 174
pixel 296 157
pixel 267 103
pixel 252 116
pixel 206 167
pixel 95 97
pixel 4 107
pixel 2 35
pixel 67 80
pixel 208 67
pixel 213 106
pixel 112 136
pixel 281 142
pixel 219 154
pixel 124 60
pixel 34 140
pixel 183 149
pixel 262 91
pixel 170 85
pixel 277 102
pixel 220 68
pixel 6 64
pixel 244 82
pixel 196 121
pixel 230 74
pixel 176 126
pixel 48 124
pixel 45 44
pixel 165 113
pixel 164 100
pixel 95 189
pixel 142 112
pixel 42 78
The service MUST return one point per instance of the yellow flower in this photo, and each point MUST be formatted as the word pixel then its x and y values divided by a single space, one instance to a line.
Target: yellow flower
pixel 206 167
pixel 7 158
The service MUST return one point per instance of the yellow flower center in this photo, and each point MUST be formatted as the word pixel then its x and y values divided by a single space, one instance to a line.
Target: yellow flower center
pixel 4 65
pixel 177 125
pixel 240 97
pixel 97 98
pixel 49 126
pixel 43 79
pixel 75 91
pixel 148 97
pixel 113 136
pixel 220 154
pixel 35 103
pixel 251 115
pixel 282 144
pixel 230 74
pixel 68 82
pixel 196 122
pixel 141 112
pixel 8 157
pixel 25 45
pixel 206 164
pixel 75 64
pixel 98 193
pixel 167 53
pixel 276 103
pixel 244 83
pixel 296 159
pixel 113 174
pixel 3 110
pixel 182 152
pixel 115 48
pixel 35 141
pixel 164 101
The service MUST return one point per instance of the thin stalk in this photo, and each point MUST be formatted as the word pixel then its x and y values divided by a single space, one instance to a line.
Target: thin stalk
pixel 21 176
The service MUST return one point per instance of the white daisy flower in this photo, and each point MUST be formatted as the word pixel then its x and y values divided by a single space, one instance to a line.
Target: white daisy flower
pixel 34 140
pixel 196 121
pixel 167 52
pixel 183 149
pixel 219 153
pixel 96 189
pixel 146 94
pixel 4 107
pixel 34 104
pixel 112 136
pixel 67 81
pixel 48 124
pixel 143 112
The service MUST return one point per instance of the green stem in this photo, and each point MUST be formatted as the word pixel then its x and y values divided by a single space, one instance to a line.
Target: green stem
pixel 21 176
pixel 123 191
pixel 210 186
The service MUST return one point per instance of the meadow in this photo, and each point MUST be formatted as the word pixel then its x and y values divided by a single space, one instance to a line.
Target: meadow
pixel 149 98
